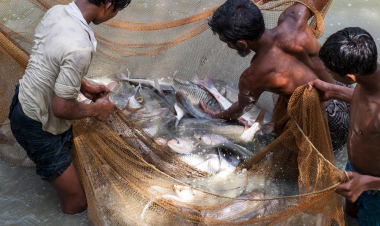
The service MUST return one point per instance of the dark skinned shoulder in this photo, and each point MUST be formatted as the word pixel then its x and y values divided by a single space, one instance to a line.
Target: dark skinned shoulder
pixel 296 15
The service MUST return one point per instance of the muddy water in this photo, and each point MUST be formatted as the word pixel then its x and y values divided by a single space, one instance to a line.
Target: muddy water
pixel 27 200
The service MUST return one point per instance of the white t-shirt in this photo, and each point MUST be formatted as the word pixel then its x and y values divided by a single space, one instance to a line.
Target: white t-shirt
pixel 59 61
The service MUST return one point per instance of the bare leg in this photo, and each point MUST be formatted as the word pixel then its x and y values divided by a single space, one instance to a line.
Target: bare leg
pixel 71 191
pixel 351 209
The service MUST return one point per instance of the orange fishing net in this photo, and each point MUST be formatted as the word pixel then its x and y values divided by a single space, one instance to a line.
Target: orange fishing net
pixel 131 180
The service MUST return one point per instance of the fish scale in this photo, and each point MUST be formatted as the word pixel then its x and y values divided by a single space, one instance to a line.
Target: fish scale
pixel 195 93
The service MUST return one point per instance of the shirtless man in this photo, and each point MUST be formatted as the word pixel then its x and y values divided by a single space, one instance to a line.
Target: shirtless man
pixel 286 57
pixel 350 55
pixel 45 104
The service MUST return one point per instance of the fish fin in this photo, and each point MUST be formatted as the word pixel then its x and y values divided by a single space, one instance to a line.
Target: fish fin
pixel 134 110
pixel 111 85
pixel 260 117
pixel 246 127
pixel 267 128
pixel 163 111
pixel 136 89
pixel 208 82
pixel 157 86
pixel 197 144
pixel 123 76
pixel 126 109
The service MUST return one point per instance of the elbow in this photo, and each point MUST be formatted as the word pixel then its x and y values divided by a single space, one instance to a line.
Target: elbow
pixel 58 112
pixel 60 107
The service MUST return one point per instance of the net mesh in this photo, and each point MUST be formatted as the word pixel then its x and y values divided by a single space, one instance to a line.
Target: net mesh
pixel 131 180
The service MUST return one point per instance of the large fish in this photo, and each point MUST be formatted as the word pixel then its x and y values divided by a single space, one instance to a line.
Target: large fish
pixel 227 130
pixel 248 117
pixel 250 132
pixel 107 81
pixel 133 101
pixel 238 208
pixel 225 183
pixel 182 145
pixel 188 105
pixel 180 113
pixel 210 138
pixel 146 83
pixel 196 93
pixel 209 163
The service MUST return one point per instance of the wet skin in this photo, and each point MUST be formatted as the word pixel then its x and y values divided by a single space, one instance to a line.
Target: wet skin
pixel 363 144
pixel 286 58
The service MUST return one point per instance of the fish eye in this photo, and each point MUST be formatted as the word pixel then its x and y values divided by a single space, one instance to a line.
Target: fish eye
pixel 177 142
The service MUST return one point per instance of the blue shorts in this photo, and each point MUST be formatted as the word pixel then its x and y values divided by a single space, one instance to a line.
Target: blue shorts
pixel 368 204
pixel 50 153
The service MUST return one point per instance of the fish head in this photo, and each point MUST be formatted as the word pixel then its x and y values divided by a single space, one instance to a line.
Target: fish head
pixel 180 145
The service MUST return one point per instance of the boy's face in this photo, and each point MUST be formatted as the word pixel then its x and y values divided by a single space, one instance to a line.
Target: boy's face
pixel 346 80
pixel 106 14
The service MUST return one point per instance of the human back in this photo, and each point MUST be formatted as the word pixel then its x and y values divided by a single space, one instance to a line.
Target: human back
pixel 290 57
pixel 59 39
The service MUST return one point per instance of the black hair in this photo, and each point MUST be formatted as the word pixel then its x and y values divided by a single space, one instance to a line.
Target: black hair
pixel 118 4
pixel 350 51
pixel 238 20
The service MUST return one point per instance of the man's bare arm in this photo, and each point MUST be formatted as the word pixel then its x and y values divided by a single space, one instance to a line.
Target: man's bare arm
pixel 330 91
pixel 237 109
pixel 72 109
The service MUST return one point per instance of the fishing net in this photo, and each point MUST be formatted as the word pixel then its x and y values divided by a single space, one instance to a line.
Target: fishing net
pixel 131 180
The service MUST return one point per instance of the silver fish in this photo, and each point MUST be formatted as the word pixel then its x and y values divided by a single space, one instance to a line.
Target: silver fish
pixel 221 86
pixel 209 163
pixel 146 83
pixel 195 93
pixel 210 138
pixel 248 117
pixel 155 113
pixel 249 133
pixel 225 183
pixel 134 101
pixel 160 140
pixel 233 153
pixel 267 209
pixel 192 109
pixel 82 98
pixel 238 208
pixel 107 81
pixel 180 113
pixel 231 132
pixel 182 145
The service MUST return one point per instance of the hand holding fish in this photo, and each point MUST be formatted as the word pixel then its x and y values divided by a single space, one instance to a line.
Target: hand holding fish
pixel 106 108
pixel 90 91
pixel 208 111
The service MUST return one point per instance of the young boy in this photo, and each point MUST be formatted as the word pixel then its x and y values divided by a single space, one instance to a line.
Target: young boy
pixel 350 55
pixel 45 101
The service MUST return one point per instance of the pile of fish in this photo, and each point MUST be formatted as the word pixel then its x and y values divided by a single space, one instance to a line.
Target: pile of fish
pixel 171 114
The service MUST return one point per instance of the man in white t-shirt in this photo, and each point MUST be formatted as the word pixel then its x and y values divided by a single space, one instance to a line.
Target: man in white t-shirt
pixel 45 102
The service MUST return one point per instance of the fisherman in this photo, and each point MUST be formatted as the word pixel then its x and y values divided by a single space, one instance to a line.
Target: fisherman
pixel 45 104
pixel 286 58
pixel 350 55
